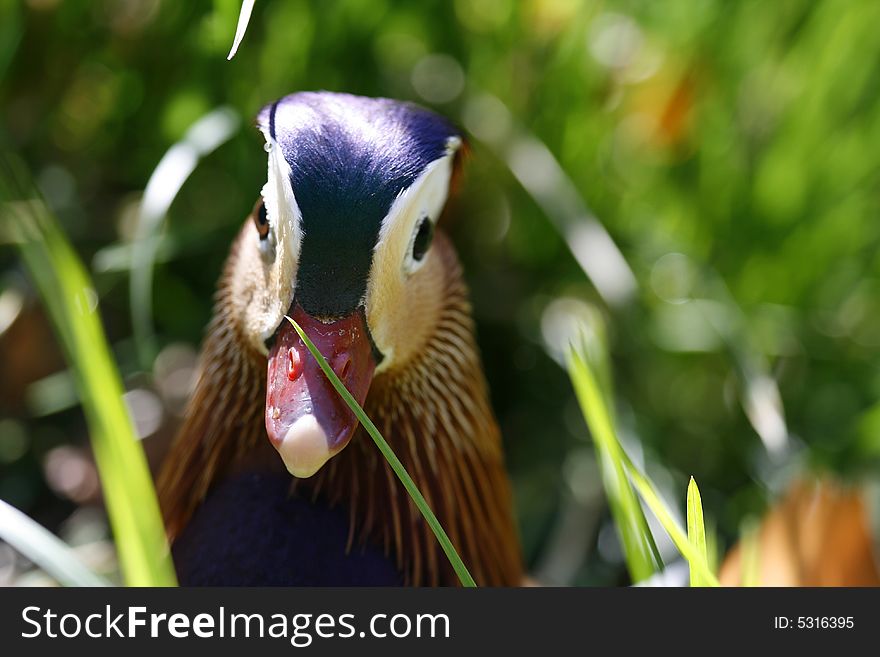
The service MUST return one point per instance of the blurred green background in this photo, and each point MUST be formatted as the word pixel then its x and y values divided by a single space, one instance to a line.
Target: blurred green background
pixel 731 150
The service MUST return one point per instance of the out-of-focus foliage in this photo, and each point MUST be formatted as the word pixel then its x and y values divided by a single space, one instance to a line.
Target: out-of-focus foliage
pixel 732 151
pixel 70 300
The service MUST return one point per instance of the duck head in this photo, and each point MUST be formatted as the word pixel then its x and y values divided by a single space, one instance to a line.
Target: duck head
pixel 341 242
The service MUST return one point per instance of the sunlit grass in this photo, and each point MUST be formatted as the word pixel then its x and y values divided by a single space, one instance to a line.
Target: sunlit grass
pixel 457 564
pixel 71 303
pixel 642 557
pixel 635 535
pixel 696 528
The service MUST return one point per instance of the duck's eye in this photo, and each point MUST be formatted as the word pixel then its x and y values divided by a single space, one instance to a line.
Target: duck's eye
pixel 424 236
pixel 261 219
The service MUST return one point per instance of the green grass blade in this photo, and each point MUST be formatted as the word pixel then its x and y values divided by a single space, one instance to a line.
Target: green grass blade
pixel 71 302
pixel 457 564
pixel 601 425
pixel 696 529
pixel 642 557
pixel 45 549
pixel 648 493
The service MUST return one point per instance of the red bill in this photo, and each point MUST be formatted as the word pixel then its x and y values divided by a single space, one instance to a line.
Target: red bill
pixel 306 419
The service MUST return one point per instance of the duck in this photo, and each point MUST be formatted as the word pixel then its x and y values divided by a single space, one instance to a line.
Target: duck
pixel 270 479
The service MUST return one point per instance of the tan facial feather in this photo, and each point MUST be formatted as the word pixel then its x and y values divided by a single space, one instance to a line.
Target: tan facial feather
pixel 404 297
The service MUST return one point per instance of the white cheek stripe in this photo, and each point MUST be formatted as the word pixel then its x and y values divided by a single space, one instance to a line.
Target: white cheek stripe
pixel 392 260
pixel 427 195
pixel 281 203
pixel 285 221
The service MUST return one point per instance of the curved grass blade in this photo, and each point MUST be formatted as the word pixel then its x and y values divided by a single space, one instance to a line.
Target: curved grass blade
pixel 243 19
pixel 696 528
pixel 45 549
pixel 543 178
pixel 71 303
pixel 203 137
pixel 457 564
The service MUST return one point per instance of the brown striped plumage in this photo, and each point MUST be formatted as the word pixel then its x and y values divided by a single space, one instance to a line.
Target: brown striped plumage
pixel 434 412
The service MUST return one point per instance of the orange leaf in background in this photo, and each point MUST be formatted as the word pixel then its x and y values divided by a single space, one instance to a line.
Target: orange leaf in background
pixel 818 535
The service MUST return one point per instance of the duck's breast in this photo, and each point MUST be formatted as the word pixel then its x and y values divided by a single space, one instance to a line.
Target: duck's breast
pixel 251 531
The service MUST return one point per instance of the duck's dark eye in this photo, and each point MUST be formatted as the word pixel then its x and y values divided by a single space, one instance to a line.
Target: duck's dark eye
pixel 261 220
pixel 424 235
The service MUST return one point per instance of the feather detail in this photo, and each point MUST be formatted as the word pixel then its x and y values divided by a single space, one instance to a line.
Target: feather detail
pixel 435 414
pixel 224 418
